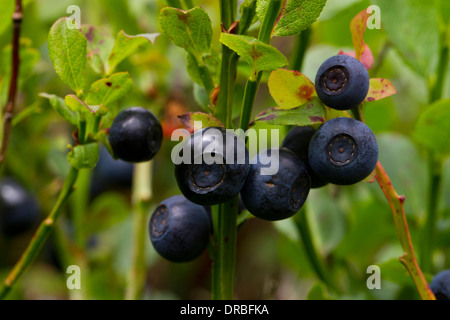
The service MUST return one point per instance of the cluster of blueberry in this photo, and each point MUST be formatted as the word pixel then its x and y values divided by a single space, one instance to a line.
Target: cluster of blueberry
pixel 213 166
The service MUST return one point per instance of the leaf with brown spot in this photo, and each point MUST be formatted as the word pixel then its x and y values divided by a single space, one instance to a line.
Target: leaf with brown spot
pixel 190 30
pixel 108 90
pixel 290 88
pixel 379 89
pixel 195 121
pixel 99 45
pixel 311 113
pixel 260 56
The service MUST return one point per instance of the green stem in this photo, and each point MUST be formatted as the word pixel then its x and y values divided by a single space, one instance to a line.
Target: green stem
pixel 40 236
pixel 302 224
pixel 251 87
pixel 247 14
pixel 82 131
pixel 189 4
pixel 225 257
pixel 225 215
pixel 174 4
pixel 141 198
pixel 299 50
pixel 79 204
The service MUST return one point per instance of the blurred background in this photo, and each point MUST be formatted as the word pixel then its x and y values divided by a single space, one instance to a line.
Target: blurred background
pixel 351 226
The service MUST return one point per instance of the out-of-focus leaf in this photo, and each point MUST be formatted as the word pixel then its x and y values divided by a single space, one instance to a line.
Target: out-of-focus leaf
pixel 433 128
pixel 67 51
pixel 125 45
pixel 366 56
pixel 6 14
pixel 290 88
pixel 379 89
pixel 412 28
pixel 318 292
pixel 406 168
pixel 357 27
pixel 107 209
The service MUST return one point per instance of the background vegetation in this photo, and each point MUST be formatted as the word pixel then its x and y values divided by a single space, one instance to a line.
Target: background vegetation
pixel 352 226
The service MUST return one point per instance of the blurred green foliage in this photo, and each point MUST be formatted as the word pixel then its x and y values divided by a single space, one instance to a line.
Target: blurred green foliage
pixel 352 226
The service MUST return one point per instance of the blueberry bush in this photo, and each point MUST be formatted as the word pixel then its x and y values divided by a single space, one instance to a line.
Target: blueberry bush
pixel 139 141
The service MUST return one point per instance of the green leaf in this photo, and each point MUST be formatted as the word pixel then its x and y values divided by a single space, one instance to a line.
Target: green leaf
pixel 75 104
pixel 211 60
pixel 59 106
pixel 29 56
pixel 203 120
pixel 290 88
pixel 260 56
pixel 125 45
pixel 379 89
pixel 111 89
pixel 296 15
pixel 432 129
pixel 6 14
pixel 412 28
pixel 190 30
pixel 107 209
pixel 311 113
pixel 318 292
pixel 99 46
pixel 67 51
pixel 84 156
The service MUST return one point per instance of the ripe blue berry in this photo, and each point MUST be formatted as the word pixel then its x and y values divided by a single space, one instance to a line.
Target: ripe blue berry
pixel 211 166
pixel 19 210
pixel 297 140
pixel 135 135
pixel 342 82
pixel 343 151
pixel 110 173
pixel 440 285
pixel 179 229
pixel 279 195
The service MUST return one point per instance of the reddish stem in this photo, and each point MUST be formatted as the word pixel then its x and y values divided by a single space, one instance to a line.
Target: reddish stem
pixel 408 259
pixel 12 94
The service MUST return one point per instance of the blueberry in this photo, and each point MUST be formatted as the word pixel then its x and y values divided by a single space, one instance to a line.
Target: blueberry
pixel 179 229
pixel 211 166
pixel 110 174
pixel 342 82
pixel 440 285
pixel 278 195
pixel 135 135
pixel 297 140
pixel 19 210
pixel 343 151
